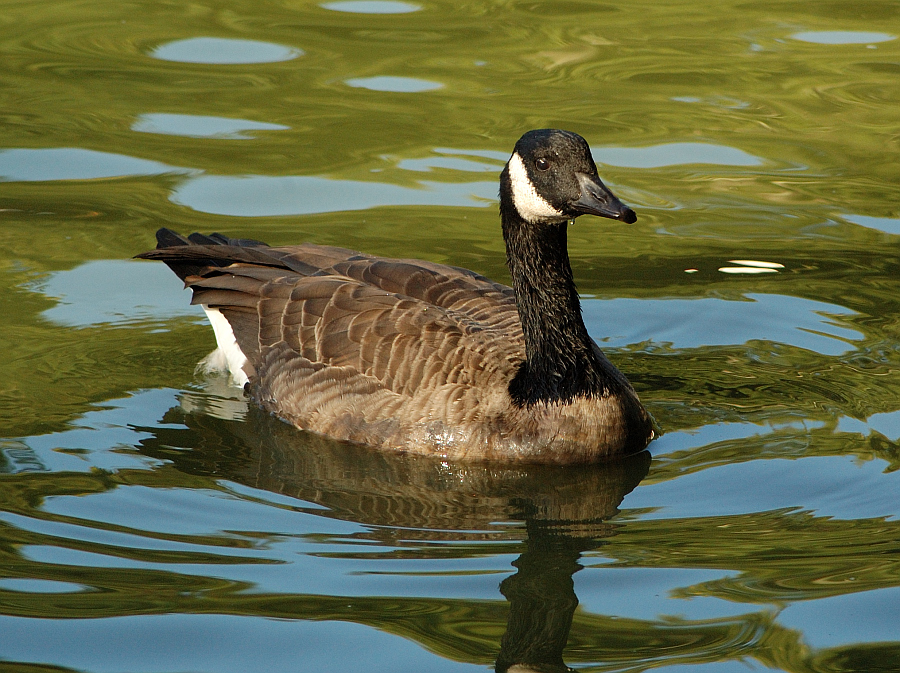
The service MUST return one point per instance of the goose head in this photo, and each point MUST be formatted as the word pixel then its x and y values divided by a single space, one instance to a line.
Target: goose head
pixel 551 178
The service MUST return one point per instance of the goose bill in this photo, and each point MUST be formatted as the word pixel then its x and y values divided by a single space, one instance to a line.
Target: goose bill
pixel 596 199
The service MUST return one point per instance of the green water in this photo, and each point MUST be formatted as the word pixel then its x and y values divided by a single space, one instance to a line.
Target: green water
pixel 151 521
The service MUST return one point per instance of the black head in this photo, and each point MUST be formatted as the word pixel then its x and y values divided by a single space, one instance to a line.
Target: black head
pixel 551 177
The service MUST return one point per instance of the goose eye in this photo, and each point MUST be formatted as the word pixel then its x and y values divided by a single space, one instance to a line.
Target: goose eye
pixel 542 164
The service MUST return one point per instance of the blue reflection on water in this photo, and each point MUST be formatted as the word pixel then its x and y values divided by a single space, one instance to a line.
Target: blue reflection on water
pixel 862 617
pixel 199 126
pixel 396 84
pixel 710 321
pixel 259 196
pixel 886 424
pixel 74 163
pixel 452 163
pixel 646 593
pixel 26 585
pixel 120 292
pixel 99 436
pixel 842 37
pixel 180 642
pixel 888 225
pixel 372 7
pixel 674 154
pixel 835 486
pixel 223 51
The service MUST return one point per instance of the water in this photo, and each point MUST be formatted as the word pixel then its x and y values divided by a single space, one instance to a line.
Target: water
pixel 152 521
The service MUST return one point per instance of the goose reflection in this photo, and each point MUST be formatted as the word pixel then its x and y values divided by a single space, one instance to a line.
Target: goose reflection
pixel 562 512
pixel 542 602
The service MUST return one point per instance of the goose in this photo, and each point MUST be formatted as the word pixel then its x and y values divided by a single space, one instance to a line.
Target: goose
pixel 419 357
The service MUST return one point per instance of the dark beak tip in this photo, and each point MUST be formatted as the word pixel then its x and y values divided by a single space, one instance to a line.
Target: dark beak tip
pixel 628 216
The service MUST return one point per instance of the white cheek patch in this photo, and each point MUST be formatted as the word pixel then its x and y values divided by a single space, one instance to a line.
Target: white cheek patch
pixel 531 206
pixel 229 355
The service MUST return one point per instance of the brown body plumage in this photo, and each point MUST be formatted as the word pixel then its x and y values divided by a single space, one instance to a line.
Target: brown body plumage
pixel 420 357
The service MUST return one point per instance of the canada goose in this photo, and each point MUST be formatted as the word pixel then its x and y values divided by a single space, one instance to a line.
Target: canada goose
pixel 426 358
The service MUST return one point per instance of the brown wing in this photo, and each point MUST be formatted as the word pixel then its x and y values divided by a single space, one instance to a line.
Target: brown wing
pixel 406 325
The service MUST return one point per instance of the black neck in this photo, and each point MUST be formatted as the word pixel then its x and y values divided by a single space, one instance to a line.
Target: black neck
pixel 559 354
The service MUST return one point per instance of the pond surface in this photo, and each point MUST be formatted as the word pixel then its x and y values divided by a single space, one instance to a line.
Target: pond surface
pixel 151 521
